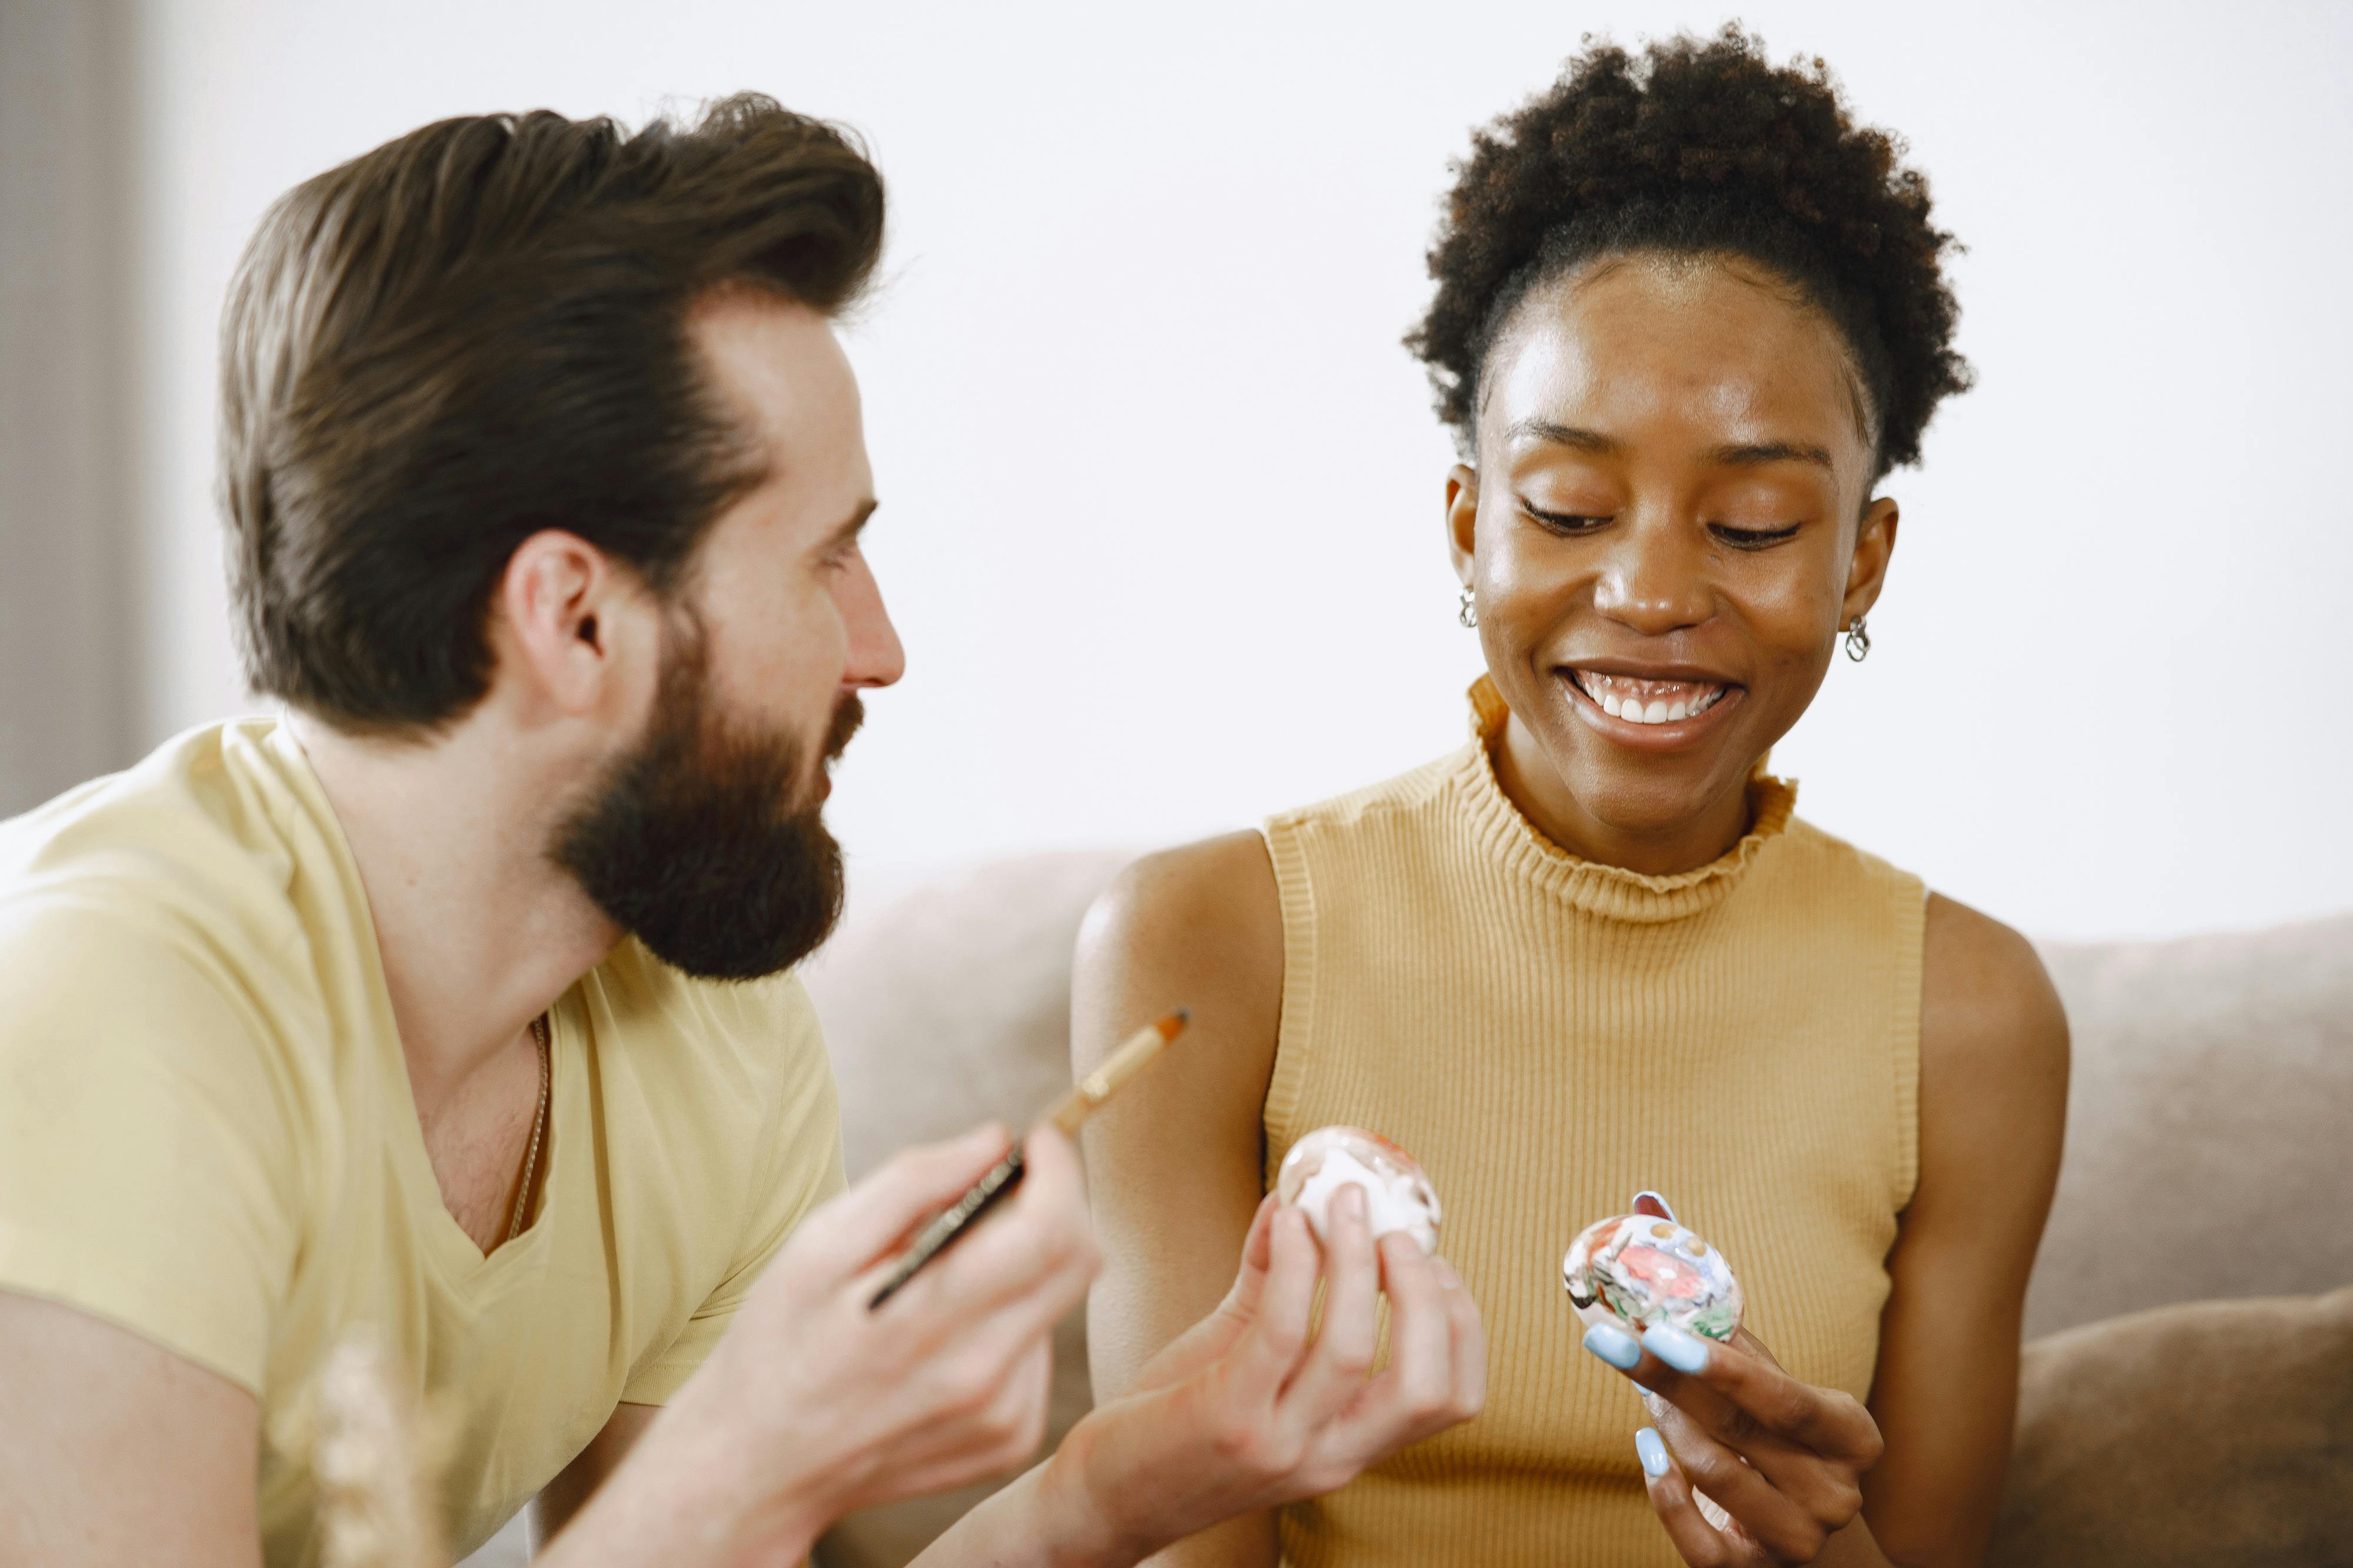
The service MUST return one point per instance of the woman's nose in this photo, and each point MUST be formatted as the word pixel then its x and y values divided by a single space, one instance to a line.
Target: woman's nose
pixel 1653 577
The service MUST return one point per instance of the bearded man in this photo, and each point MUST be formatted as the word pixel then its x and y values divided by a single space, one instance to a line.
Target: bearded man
pixel 455 1002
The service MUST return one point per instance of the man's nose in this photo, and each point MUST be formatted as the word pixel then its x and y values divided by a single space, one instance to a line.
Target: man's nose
pixel 1654 577
pixel 876 657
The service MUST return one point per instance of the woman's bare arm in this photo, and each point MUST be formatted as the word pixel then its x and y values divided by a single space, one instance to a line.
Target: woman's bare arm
pixel 1993 1108
pixel 1174 1163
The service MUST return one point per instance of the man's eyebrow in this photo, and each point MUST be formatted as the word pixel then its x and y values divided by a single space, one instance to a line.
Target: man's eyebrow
pixel 1755 454
pixel 1583 440
pixel 851 526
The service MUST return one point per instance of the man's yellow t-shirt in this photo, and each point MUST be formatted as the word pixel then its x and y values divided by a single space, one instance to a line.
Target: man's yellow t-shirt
pixel 206 1134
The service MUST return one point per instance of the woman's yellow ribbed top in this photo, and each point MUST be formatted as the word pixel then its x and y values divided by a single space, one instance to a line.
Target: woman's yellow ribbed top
pixel 1548 1037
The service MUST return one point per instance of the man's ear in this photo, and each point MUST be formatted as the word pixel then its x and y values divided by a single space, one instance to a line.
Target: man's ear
pixel 1874 542
pixel 568 618
pixel 1462 519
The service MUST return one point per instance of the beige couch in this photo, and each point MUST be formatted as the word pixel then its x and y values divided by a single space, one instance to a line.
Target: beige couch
pixel 2209 1154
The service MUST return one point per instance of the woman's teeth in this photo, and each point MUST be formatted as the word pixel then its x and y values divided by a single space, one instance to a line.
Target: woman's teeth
pixel 1649 701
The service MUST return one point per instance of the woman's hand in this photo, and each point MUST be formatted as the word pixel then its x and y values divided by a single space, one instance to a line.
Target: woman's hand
pixel 1258 1405
pixel 1780 1462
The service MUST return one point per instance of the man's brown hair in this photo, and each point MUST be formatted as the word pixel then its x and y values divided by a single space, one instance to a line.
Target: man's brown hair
pixel 479 331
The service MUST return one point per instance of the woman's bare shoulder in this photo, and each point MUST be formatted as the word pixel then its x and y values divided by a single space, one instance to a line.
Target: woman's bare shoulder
pixel 1199 926
pixel 1986 1001
pixel 1993 1059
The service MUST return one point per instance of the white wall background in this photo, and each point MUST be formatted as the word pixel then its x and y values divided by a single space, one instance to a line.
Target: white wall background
pixel 1161 519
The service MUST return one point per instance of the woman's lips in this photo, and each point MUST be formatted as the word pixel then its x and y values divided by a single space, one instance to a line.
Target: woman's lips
pixel 1656 715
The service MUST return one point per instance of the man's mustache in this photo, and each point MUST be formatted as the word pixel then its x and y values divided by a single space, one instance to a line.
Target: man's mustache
pixel 848 715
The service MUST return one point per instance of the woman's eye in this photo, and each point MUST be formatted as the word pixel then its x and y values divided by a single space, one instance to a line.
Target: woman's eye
pixel 1752 538
pixel 1561 522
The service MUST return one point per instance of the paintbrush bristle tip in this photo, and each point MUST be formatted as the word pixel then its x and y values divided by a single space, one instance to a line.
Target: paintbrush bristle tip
pixel 1174 1022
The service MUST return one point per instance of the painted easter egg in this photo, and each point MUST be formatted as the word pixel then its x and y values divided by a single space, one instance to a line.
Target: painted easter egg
pixel 1639 1269
pixel 1397 1196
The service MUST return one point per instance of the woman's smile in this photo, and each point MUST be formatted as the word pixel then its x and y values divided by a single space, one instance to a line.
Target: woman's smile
pixel 1653 710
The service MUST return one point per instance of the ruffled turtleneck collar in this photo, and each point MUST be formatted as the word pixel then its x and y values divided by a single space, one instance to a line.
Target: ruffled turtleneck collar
pixel 1611 892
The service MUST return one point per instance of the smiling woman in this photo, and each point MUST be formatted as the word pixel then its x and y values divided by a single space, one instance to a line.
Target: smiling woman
pixel 1688 318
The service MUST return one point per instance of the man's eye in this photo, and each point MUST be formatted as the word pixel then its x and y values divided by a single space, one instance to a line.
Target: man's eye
pixel 1752 538
pixel 1562 523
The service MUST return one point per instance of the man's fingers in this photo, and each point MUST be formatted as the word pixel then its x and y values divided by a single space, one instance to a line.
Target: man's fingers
pixel 1258 1245
pixel 1468 1338
pixel 847 1234
pixel 1414 1396
pixel 1001 1439
pixel 1342 1357
pixel 1277 1338
pixel 1034 1257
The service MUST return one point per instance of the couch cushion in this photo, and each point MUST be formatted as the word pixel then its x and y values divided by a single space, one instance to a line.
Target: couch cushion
pixel 2217 1432
pixel 2213 1078
pixel 944 1007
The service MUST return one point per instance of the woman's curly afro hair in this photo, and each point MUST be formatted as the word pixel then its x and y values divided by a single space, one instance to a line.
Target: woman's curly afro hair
pixel 1699 147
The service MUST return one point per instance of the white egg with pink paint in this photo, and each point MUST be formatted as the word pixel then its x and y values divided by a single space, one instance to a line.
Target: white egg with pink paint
pixel 1398 1198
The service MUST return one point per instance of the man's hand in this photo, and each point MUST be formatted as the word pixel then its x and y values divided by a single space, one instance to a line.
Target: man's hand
pixel 1258 1405
pixel 814 1405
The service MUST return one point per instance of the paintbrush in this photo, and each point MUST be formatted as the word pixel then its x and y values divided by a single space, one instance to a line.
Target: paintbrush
pixel 1067 1114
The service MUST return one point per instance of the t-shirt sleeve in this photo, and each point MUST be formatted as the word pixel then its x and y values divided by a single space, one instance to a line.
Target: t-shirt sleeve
pixel 145 1155
pixel 801 1163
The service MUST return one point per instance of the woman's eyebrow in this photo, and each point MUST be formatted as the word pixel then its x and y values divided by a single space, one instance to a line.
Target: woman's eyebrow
pixel 1754 454
pixel 1582 440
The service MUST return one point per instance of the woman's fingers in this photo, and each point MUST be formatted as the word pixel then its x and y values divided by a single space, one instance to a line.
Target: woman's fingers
pixel 1702 1545
pixel 1785 1524
pixel 1741 1398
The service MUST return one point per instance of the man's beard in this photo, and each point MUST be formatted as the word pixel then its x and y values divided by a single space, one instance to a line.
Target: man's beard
pixel 698 840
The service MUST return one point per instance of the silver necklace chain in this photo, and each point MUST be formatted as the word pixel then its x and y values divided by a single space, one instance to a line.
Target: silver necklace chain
pixel 538 1130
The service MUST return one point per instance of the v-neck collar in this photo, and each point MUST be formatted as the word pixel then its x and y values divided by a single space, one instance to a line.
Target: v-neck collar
pixel 463 1266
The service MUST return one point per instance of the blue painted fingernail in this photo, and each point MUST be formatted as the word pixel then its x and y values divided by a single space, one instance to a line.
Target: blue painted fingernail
pixel 1615 1346
pixel 1653 1452
pixel 1676 1348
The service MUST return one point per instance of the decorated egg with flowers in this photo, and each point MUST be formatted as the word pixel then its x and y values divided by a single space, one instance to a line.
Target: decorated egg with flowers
pixel 1397 1196
pixel 1640 1270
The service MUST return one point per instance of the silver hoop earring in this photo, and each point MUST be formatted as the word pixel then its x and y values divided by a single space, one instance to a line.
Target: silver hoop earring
pixel 1468 612
pixel 1858 641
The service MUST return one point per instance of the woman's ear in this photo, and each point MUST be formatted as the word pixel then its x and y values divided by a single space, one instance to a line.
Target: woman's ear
pixel 1462 519
pixel 1874 542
